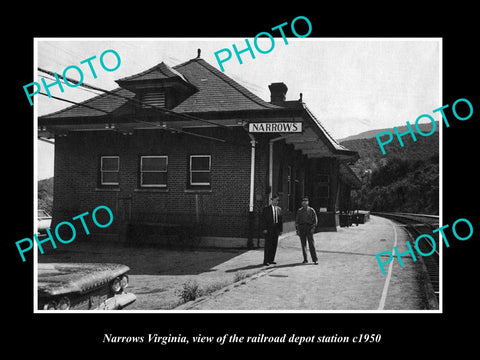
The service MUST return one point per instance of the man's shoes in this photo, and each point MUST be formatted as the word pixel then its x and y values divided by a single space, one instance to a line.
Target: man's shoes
pixel 316 262
pixel 304 261
pixel 273 262
pixel 266 264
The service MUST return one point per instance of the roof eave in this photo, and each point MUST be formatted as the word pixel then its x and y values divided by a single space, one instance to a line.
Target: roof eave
pixel 134 85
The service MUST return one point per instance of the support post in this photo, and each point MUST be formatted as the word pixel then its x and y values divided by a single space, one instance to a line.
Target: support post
pixel 270 164
pixel 252 189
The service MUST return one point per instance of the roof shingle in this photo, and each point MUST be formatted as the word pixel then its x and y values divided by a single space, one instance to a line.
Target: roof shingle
pixel 158 72
pixel 216 92
pixel 105 103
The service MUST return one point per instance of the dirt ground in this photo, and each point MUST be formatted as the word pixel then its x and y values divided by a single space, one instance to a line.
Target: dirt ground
pixel 157 276
pixel 347 277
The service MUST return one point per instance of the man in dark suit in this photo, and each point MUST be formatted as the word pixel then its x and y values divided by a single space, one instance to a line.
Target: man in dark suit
pixel 272 227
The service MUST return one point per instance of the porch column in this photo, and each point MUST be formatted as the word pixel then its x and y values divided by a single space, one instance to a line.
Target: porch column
pixel 252 185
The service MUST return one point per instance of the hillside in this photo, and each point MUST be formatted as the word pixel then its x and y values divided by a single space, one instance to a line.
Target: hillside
pixel 45 194
pixel 406 179
pixel 425 128
pixel 371 156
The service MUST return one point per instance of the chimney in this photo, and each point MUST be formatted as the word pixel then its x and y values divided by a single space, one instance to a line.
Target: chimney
pixel 277 92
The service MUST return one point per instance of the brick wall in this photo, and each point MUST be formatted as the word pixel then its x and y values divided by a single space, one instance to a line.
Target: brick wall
pixel 222 209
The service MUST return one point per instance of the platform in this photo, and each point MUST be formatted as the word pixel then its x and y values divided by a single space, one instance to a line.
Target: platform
pixel 347 277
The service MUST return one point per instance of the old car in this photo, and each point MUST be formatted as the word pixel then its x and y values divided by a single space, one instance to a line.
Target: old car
pixel 44 221
pixel 83 286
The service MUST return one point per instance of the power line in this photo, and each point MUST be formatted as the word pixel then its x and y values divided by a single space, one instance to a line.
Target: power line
pixel 155 125
pixel 49 77
pixel 75 103
pixel 162 110
pixel 60 48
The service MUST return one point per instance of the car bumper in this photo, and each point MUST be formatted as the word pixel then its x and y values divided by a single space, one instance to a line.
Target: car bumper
pixel 117 302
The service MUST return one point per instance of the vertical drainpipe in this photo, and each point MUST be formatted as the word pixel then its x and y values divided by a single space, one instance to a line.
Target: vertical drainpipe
pixel 197 211
pixel 252 188
pixel 270 165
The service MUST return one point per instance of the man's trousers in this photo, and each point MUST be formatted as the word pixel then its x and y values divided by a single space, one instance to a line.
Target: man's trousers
pixel 305 233
pixel 270 249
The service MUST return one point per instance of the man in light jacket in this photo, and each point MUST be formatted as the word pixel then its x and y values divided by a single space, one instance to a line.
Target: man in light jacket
pixel 305 223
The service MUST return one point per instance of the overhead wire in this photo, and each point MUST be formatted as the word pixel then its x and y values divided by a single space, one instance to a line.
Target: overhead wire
pixel 68 52
pixel 73 102
pixel 162 110
pixel 69 56
pixel 81 88
pixel 154 125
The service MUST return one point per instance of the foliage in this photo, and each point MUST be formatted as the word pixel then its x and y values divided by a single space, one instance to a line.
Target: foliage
pixel 406 179
pixel 45 195
pixel 240 275
pixel 189 291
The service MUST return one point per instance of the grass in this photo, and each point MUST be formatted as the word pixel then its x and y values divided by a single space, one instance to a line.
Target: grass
pixel 189 291
pixel 192 290
pixel 240 275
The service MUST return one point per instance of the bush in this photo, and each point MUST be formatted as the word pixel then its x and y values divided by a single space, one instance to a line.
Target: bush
pixel 389 173
pixel 189 292
pixel 239 275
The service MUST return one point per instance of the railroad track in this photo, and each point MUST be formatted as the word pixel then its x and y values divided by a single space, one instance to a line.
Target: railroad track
pixel 415 225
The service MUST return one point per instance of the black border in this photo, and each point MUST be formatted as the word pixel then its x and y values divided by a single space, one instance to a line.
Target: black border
pixel 408 333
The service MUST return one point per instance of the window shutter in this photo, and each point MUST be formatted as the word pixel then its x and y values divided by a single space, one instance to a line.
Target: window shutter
pixel 155 98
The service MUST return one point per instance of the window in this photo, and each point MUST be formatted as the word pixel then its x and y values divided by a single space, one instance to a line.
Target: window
pixel 200 166
pixel 323 179
pixel 153 171
pixel 109 170
pixel 323 186
pixel 323 191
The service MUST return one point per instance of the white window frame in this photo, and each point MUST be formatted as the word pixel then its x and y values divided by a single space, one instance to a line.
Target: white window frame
pixel 142 171
pixel 104 171
pixel 197 171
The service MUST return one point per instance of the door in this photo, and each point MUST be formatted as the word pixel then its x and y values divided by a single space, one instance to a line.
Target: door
pixel 124 208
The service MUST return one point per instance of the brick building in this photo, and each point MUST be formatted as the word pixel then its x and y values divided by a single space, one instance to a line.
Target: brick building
pixel 187 145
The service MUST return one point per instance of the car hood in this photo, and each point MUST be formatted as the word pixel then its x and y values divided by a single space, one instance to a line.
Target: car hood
pixel 59 278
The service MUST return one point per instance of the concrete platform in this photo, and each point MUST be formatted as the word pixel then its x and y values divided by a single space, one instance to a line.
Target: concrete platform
pixel 347 277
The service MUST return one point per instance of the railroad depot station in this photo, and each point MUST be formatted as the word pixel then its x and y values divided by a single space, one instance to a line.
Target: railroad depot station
pixel 187 146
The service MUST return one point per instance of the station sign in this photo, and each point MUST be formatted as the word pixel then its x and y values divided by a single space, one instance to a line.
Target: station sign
pixel 275 127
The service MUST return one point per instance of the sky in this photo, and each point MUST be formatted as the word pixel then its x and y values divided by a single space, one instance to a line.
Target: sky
pixel 350 85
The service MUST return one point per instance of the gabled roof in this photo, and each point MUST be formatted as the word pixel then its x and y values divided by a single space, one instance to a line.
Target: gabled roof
pixel 315 141
pixel 216 92
pixel 100 105
pixel 158 72
pixel 336 146
pixel 213 95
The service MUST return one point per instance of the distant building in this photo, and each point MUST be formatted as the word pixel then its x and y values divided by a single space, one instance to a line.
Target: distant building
pixel 179 145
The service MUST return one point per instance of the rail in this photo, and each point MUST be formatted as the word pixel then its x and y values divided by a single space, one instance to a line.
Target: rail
pixel 431 220
pixel 415 225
